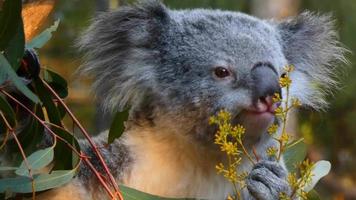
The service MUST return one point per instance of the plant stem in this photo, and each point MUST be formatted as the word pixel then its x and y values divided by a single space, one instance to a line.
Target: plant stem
pixel 11 130
pixel 55 135
pixel 246 153
pixel 91 142
pixel 281 149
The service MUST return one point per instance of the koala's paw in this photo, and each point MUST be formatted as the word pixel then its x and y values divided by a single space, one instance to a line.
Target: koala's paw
pixel 267 180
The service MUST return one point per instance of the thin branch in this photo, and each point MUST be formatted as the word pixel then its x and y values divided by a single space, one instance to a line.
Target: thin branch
pixel 91 142
pixel 255 154
pixel 43 123
pixel 11 130
pixel 101 180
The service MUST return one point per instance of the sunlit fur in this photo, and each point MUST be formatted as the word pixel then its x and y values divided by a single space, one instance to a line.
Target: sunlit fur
pixel 159 62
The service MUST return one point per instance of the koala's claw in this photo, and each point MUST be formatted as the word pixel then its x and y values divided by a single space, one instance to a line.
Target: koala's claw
pixel 267 180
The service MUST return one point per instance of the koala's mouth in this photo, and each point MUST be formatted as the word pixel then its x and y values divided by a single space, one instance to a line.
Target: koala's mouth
pixel 258 117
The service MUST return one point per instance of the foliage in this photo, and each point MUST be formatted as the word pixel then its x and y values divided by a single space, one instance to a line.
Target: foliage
pixel 302 175
pixel 46 154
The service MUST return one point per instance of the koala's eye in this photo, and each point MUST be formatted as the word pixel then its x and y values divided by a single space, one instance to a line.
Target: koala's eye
pixel 221 72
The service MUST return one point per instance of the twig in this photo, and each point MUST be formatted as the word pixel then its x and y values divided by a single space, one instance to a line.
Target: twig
pixel 91 142
pixel 86 160
pixel 246 153
pixel 255 153
pixel 43 123
pixel 11 130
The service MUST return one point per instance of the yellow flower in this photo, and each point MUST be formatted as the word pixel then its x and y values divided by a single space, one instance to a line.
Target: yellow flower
pixel 285 81
pixel 288 68
pixel 272 151
pixel 276 98
pixel 284 196
pixel 284 138
pixel 279 112
pixel 296 102
pixel 292 180
pixel 272 129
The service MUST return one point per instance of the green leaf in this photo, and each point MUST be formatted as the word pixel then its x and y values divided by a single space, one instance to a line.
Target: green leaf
pixel 294 155
pixel 64 157
pixel 43 182
pixel 57 82
pixel 7 110
pixel 15 50
pixel 43 37
pixel 36 160
pixel 6 68
pixel 10 16
pixel 118 125
pixel 313 195
pixel 46 98
pixel 3 168
pixel 320 169
pixel 132 194
pixel 32 133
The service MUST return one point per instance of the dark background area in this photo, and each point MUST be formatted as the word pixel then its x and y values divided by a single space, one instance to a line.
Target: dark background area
pixel 331 135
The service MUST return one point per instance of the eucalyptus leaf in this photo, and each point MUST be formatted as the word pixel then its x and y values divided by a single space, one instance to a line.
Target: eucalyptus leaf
pixel 4 168
pixel 294 155
pixel 32 133
pixel 15 49
pixel 57 82
pixel 46 98
pixel 132 194
pixel 320 169
pixel 43 37
pixel 10 16
pixel 313 195
pixel 118 125
pixel 8 112
pixel 6 68
pixel 71 159
pixel 36 160
pixel 23 184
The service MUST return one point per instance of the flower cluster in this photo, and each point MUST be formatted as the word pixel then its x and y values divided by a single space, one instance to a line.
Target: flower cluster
pixel 305 174
pixel 229 139
pixel 282 112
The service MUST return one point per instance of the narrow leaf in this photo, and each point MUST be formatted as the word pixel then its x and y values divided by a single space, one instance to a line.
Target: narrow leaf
pixel 10 15
pixel 294 155
pixel 16 47
pixel 118 125
pixel 71 159
pixel 57 82
pixel 7 110
pixel 46 99
pixel 3 168
pixel 36 160
pixel 6 68
pixel 313 195
pixel 43 37
pixel 320 169
pixel 43 182
pixel 132 194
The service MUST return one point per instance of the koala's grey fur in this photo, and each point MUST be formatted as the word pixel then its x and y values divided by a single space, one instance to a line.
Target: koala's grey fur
pixel 160 62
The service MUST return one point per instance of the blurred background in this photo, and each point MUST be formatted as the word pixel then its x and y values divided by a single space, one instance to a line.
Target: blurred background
pixel 330 135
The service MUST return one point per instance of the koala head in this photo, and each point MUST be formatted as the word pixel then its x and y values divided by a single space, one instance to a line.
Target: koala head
pixel 179 67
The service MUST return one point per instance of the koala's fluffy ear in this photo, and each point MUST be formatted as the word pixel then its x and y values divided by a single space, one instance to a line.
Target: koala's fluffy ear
pixel 120 53
pixel 310 43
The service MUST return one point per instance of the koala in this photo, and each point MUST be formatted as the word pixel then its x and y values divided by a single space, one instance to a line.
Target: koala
pixel 175 69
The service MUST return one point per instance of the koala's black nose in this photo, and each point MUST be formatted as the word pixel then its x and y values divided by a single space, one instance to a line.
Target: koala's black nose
pixel 265 81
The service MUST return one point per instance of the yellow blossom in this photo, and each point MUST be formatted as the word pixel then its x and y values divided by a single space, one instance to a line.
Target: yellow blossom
pixel 276 98
pixel 285 81
pixel 272 129
pixel 272 151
